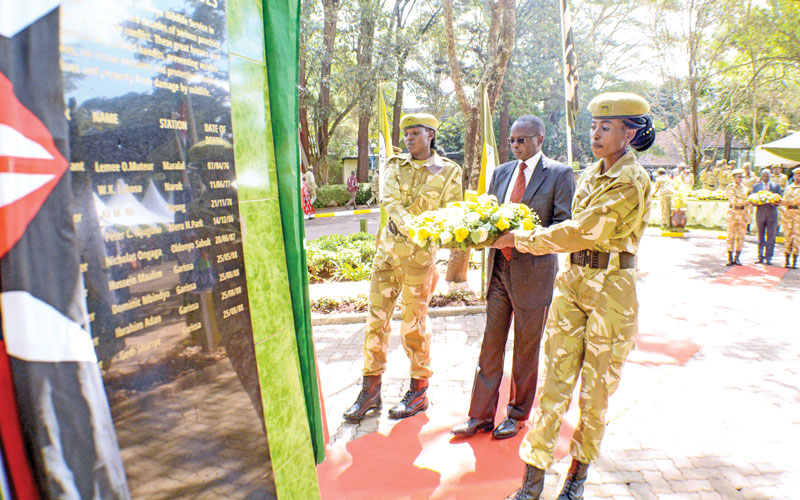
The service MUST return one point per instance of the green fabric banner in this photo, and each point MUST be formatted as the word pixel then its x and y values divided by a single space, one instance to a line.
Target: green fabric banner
pixel 281 30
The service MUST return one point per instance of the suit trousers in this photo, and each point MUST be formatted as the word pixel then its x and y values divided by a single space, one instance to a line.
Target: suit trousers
pixel 528 328
pixel 767 223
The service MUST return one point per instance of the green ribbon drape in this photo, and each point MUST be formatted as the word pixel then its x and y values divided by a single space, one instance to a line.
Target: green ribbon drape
pixel 281 30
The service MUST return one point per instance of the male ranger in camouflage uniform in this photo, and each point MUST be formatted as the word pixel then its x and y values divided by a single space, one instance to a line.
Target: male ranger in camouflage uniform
pixel 415 182
pixel 791 218
pixel 782 180
pixel 663 189
pixel 593 319
pixel 707 177
pixel 738 217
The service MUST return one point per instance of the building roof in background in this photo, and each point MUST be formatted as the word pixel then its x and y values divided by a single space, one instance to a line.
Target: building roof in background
pixel 666 150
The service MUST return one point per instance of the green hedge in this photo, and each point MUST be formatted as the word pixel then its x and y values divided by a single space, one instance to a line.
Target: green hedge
pixel 338 193
pixel 336 257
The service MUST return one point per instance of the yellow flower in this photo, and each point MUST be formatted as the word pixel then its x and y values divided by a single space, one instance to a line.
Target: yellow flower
pixel 527 224
pixel 423 234
pixel 502 224
pixel 461 234
pixel 411 232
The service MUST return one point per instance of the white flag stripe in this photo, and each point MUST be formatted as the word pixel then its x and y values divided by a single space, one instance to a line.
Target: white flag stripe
pixel 19 15
pixel 14 185
pixel 34 331
pixel 14 144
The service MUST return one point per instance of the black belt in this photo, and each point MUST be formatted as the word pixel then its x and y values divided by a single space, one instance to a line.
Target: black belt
pixel 793 207
pixel 599 260
pixel 737 207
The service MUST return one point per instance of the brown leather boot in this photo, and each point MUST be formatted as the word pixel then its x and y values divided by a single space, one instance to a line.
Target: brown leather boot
pixel 573 485
pixel 532 485
pixel 368 399
pixel 415 400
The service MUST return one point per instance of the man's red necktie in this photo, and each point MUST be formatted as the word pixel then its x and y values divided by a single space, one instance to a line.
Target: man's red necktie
pixel 516 197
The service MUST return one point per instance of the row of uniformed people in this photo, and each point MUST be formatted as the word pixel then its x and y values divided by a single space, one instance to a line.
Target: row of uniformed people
pixel 593 317
pixel 767 217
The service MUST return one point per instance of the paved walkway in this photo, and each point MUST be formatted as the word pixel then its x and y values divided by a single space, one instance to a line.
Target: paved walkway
pixel 708 407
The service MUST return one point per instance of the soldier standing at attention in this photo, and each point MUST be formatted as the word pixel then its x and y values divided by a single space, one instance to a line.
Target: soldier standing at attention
pixel 738 217
pixel 415 182
pixel 725 175
pixel 707 177
pixel 779 178
pixel 791 218
pixel 748 181
pixel 593 318
pixel 663 190
pixel 687 177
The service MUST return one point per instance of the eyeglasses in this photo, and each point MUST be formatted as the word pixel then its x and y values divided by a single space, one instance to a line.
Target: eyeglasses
pixel 521 140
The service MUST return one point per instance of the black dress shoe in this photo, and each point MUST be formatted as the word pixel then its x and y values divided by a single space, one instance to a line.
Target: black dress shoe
pixel 472 427
pixel 508 428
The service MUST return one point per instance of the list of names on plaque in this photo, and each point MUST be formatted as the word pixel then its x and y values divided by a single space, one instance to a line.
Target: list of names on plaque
pixel 153 172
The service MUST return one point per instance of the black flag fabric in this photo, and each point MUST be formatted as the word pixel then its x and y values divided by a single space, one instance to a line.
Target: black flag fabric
pixel 570 68
pixel 66 424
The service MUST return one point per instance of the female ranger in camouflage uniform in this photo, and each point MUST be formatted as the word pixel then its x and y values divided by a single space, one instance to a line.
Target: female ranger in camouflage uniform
pixel 738 216
pixel 415 182
pixel 593 318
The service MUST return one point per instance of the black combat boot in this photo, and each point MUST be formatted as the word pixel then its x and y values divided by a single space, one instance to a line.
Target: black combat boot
pixel 532 485
pixel 415 400
pixel 736 261
pixel 573 485
pixel 794 261
pixel 788 257
pixel 368 399
pixel 730 259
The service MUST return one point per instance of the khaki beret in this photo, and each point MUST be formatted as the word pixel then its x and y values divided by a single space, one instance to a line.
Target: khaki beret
pixel 660 170
pixel 719 163
pixel 737 171
pixel 419 120
pixel 618 105
pixel 731 162
pixel 747 164
pixel 796 170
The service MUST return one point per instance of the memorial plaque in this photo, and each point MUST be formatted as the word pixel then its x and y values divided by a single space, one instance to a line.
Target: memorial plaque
pixel 154 179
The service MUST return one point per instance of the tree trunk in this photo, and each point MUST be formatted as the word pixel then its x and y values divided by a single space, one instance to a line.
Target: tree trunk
pixel 502 34
pixel 505 125
pixel 362 173
pixel 331 8
pixel 397 109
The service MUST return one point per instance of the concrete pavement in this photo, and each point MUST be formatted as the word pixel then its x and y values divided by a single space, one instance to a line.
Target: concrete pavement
pixel 708 406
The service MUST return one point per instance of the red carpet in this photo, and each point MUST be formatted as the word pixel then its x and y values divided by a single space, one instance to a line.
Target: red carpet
pixel 419 459
pixel 757 275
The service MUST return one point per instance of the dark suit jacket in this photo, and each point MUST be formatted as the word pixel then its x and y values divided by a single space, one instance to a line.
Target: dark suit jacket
pixel 549 194
pixel 768 210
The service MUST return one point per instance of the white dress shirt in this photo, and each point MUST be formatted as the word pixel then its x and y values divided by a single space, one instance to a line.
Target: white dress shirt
pixel 528 172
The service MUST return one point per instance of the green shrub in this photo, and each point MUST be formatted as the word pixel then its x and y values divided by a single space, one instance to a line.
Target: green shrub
pixel 340 258
pixel 338 193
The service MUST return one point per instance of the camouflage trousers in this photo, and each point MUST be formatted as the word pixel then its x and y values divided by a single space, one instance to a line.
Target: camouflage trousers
pixel 737 229
pixel 791 229
pixel 590 330
pixel 400 269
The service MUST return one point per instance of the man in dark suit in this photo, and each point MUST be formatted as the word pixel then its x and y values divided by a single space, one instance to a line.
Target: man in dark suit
pixel 519 283
pixel 766 219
